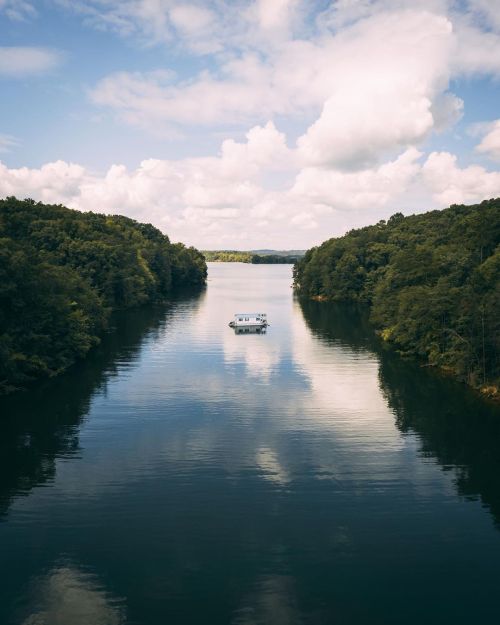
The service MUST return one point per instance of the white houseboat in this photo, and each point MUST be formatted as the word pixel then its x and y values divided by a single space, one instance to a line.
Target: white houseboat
pixel 249 320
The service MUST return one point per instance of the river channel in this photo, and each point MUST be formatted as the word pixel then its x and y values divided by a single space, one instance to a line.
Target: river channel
pixel 185 474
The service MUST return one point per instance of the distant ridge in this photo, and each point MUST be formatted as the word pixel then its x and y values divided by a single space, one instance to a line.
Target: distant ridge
pixel 279 252
pixel 264 252
pixel 256 257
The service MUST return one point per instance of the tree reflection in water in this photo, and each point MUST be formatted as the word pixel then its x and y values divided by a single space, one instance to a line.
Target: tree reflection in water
pixel 454 425
pixel 42 424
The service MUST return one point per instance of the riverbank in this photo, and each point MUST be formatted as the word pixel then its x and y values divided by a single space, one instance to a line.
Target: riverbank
pixel 431 281
pixel 63 273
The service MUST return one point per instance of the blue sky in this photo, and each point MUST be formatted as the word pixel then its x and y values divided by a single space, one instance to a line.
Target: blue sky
pixel 253 123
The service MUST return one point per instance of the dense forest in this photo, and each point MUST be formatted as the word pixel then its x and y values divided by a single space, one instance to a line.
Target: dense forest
pixel 63 272
pixel 432 283
pixel 235 256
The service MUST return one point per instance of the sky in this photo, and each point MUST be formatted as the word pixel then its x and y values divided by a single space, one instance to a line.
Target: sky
pixel 250 124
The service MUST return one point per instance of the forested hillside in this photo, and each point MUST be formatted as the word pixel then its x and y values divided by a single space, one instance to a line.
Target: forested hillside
pixel 63 272
pixel 432 282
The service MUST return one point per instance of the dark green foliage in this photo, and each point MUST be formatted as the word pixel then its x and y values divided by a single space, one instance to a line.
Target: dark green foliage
pixel 188 266
pixel 234 256
pixel 272 259
pixel 227 256
pixel 63 272
pixel 432 282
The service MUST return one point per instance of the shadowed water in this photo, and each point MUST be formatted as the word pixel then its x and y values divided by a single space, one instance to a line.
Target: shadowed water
pixel 187 474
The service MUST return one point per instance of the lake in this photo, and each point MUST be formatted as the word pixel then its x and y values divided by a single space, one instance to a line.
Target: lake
pixel 186 474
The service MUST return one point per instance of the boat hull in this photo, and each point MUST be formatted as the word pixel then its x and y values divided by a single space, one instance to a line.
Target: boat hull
pixel 233 324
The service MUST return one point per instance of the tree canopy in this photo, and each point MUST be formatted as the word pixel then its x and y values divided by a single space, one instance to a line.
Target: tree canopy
pixel 63 272
pixel 235 256
pixel 432 282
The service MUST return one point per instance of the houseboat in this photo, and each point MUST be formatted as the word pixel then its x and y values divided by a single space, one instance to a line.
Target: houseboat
pixel 249 320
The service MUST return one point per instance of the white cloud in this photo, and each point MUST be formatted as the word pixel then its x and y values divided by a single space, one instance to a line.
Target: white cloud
pixel 224 201
pixel 195 25
pixel 362 85
pixel 341 13
pixel 53 182
pixel 487 11
pixel 376 95
pixel 265 147
pixel 16 61
pixel 273 15
pixel 243 95
pixel 264 25
pixel 451 184
pixel 198 26
pixel 476 51
pixel 191 18
pixel 382 94
pixel 192 25
pixel 490 144
pixel 17 10
pixel 270 23
pixel 368 188
pixel 304 220
pixel 185 194
pixel 147 19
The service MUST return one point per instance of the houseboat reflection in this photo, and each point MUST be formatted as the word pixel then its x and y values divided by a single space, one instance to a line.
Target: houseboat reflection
pixel 250 330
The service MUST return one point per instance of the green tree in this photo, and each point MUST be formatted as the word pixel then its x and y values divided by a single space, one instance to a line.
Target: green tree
pixel 431 281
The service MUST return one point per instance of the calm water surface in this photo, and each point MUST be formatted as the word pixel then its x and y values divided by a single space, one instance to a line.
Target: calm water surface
pixel 185 474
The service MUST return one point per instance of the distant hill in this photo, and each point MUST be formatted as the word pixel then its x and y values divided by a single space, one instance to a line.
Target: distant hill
pixel 256 257
pixel 279 252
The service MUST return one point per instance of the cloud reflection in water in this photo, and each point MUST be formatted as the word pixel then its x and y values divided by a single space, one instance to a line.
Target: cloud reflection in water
pixel 68 596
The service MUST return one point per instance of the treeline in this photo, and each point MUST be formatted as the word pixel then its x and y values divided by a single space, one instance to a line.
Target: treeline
pixel 234 256
pixel 432 282
pixel 273 259
pixel 63 272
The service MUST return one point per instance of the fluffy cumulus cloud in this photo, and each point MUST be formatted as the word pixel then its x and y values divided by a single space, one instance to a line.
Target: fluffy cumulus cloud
pixel 358 66
pixel 451 184
pixel 337 101
pixel 361 79
pixel 180 196
pixel 53 182
pixel 490 144
pixel 223 199
pixel 372 187
pixel 382 94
